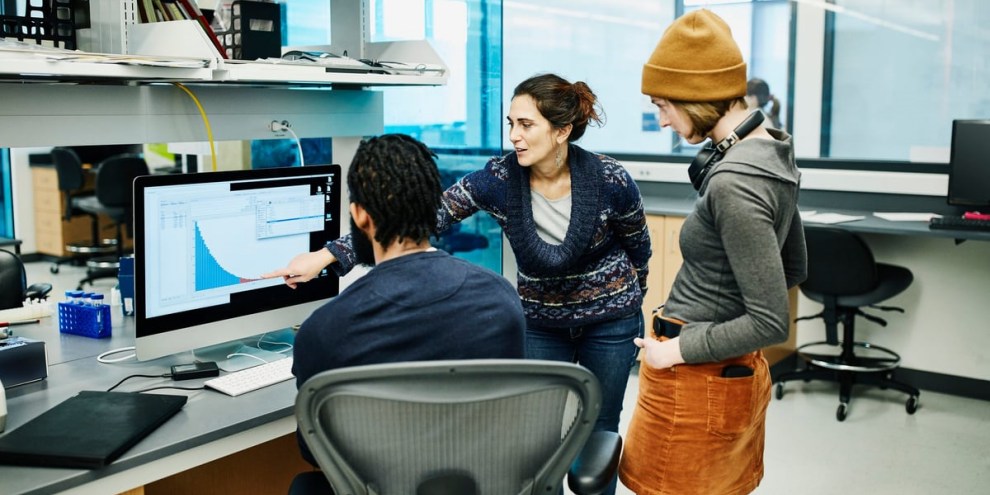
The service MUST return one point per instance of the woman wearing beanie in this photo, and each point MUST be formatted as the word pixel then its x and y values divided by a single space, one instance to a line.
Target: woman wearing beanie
pixel 576 224
pixel 698 427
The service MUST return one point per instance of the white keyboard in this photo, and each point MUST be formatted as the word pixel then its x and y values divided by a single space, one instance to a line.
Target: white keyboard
pixel 251 379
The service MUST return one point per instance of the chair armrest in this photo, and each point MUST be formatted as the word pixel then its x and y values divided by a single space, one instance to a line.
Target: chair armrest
pixel 38 291
pixel 596 465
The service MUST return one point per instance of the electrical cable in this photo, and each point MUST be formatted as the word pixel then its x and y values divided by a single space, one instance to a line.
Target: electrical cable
pixel 261 340
pixel 168 386
pixel 103 357
pixel 206 122
pixel 246 355
pixel 302 161
pixel 164 375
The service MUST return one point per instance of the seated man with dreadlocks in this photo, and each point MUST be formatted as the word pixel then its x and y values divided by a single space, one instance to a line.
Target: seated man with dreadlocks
pixel 413 304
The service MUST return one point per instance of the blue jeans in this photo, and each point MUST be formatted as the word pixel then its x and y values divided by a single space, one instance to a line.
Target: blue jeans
pixel 605 348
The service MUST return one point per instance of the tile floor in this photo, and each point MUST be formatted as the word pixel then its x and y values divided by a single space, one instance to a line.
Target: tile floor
pixel 879 449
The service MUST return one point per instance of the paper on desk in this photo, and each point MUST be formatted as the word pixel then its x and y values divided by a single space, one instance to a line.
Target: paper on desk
pixel 905 217
pixel 829 218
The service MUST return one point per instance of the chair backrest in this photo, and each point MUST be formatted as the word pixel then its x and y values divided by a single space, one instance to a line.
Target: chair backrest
pixel 511 426
pixel 13 280
pixel 68 168
pixel 840 263
pixel 115 180
pixel 71 177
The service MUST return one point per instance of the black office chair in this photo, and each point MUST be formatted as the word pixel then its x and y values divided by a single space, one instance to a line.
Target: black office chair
pixel 71 178
pixel 461 427
pixel 114 198
pixel 14 289
pixel 844 277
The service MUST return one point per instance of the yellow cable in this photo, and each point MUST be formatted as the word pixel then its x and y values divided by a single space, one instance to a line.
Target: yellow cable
pixel 206 122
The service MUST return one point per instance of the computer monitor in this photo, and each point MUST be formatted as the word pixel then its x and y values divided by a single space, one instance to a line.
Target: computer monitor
pixel 969 165
pixel 203 240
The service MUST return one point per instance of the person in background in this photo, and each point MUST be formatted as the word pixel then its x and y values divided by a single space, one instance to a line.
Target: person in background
pixel 758 97
pixel 576 224
pixel 417 303
pixel 699 422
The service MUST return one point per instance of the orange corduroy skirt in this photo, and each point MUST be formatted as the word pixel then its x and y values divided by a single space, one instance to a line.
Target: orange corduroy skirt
pixel 695 432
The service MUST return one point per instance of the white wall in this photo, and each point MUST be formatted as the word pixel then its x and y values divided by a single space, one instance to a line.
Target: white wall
pixel 23 196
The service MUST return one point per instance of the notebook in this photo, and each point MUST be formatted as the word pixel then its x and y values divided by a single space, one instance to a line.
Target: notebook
pixel 89 430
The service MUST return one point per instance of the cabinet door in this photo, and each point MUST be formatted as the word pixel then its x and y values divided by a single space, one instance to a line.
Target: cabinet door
pixel 672 258
pixel 655 294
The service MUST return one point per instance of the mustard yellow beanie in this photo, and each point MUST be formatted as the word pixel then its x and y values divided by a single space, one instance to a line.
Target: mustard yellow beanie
pixel 696 60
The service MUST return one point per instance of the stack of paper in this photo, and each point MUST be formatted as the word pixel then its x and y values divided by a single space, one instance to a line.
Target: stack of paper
pixel 829 218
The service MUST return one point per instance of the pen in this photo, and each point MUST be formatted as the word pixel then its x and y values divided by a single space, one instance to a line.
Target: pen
pixel 14 323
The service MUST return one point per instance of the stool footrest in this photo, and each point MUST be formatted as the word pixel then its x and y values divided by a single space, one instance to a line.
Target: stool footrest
pixel 838 362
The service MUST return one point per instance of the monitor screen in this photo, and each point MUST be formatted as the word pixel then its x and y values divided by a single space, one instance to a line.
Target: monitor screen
pixel 202 242
pixel 969 165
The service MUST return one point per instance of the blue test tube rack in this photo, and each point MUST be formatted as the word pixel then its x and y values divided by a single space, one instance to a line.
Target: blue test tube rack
pixel 88 321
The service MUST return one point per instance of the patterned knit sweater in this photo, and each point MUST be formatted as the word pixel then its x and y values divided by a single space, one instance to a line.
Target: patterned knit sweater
pixel 598 273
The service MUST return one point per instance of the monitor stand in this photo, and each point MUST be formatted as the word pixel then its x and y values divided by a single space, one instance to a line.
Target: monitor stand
pixel 248 353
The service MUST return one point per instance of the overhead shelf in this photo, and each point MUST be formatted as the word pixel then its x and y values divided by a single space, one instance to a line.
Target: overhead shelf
pixel 154 57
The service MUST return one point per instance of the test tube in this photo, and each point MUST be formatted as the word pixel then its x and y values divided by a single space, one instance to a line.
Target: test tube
pixel 96 299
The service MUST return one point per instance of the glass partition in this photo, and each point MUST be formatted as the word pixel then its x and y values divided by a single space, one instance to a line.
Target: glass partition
pixel 899 73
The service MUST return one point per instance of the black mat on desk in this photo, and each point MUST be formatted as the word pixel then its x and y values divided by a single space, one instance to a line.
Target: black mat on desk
pixel 89 430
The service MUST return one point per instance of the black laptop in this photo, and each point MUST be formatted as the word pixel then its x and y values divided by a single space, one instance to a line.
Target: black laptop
pixel 89 430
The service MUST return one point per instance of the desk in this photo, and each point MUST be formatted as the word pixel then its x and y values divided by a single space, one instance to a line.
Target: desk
pixel 682 206
pixel 209 427
pixel 6 242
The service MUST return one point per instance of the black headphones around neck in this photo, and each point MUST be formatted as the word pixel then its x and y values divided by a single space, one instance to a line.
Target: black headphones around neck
pixel 710 155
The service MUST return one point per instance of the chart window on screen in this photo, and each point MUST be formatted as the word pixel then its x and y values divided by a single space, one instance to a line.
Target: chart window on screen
pixel 202 242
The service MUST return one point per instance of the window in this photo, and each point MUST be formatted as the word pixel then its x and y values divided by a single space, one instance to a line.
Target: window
pixel 934 69
pixel 606 46
pixel 461 121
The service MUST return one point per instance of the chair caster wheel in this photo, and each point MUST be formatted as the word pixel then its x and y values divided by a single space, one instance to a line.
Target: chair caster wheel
pixel 53 269
pixel 912 404
pixel 779 391
pixel 840 413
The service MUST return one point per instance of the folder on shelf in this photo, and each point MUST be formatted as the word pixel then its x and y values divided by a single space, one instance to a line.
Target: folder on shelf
pixel 193 11
pixel 89 430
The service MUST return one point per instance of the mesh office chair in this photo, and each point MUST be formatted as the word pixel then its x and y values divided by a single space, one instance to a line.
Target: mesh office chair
pixel 844 277
pixel 71 178
pixel 14 289
pixel 463 427
pixel 114 198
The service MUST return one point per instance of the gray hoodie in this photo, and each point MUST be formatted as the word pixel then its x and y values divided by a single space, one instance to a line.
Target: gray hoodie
pixel 743 247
